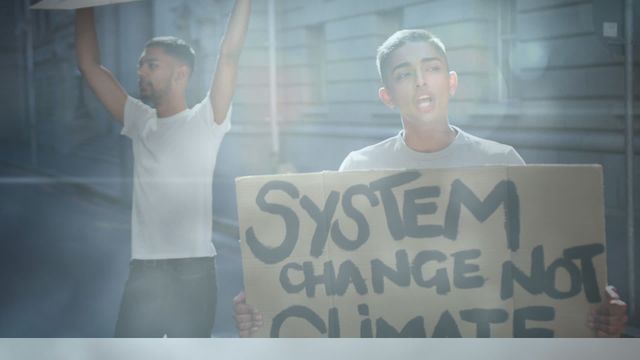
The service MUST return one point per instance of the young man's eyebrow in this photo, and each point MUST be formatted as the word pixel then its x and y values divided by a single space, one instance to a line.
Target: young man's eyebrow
pixel 401 65
pixel 428 59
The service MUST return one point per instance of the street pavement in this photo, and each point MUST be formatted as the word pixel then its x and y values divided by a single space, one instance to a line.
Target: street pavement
pixel 64 260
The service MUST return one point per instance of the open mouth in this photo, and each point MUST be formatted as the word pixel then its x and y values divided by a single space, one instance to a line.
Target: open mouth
pixel 425 103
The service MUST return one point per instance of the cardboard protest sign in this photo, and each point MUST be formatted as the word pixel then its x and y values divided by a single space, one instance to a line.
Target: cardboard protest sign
pixel 474 252
pixel 74 4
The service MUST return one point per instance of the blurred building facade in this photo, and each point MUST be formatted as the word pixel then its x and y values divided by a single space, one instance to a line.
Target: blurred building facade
pixel 539 75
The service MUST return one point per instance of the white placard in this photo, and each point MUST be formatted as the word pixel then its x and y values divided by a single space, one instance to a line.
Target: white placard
pixel 74 4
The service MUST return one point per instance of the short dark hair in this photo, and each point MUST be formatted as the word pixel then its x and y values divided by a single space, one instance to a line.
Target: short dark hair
pixel 175 47
pixel 398 39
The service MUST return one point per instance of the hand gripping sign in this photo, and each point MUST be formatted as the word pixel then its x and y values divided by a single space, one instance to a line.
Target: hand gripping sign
pixel 471 252
pixel 74 4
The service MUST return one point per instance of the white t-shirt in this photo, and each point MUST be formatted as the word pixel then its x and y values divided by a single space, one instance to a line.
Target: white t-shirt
pixel 465 150
pixel 174 158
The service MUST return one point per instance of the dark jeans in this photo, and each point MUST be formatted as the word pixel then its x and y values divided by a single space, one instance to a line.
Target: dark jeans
pixel 172 297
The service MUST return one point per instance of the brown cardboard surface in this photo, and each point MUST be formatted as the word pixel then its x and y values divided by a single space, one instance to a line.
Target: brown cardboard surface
pixel 450 280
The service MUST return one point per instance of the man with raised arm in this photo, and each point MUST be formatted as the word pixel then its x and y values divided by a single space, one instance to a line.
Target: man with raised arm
pixel 417 81
pixel 171 289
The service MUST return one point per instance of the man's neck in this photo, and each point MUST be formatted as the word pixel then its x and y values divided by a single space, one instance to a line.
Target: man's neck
pixel 170 106
pixel 430 137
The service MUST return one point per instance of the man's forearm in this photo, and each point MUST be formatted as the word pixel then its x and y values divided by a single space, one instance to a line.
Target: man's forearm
pixel 224 78
pixel 104 85
pixel 236 31
pixel 87 50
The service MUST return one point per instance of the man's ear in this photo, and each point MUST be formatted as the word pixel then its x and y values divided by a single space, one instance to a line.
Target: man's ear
pixel 453 82
pixel 182 73
pixel 385 97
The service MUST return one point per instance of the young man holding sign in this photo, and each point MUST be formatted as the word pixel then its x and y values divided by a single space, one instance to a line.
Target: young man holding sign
pixel 171 290
pixel 415 72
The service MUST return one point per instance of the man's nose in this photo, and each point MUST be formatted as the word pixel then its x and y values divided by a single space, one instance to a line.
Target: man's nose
pixel 421 80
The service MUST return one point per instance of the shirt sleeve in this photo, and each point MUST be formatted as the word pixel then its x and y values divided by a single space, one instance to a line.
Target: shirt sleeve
pixel 136 115
pixel 513 158
pixel 204 112
pixel 346 163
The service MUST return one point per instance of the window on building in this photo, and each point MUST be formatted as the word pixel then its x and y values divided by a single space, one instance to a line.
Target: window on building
pixel 389 21
pixel 506 40
pixel 43 25
pixel 316 60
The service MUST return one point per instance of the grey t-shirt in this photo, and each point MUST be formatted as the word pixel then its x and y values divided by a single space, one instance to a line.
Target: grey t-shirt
pixel 465 150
